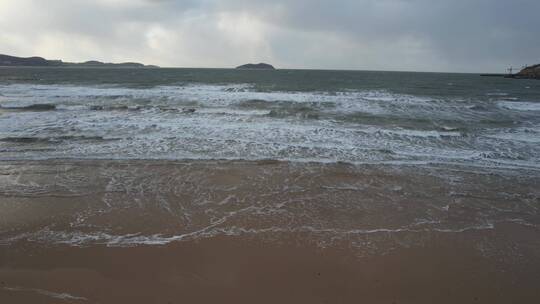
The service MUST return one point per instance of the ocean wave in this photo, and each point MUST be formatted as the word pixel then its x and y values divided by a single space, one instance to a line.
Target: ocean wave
pixel 497 94
pixel 237 121
pixel 299 112
pixel 83 239
pixel 420 133
pixel 347 104
pixel 31 108
pixel 241 95
pixel 139 135
pixel 522 134
pixel 520 105
pixel 28 140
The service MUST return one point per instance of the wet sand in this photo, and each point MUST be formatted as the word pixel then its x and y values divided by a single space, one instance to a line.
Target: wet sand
pixel 265 232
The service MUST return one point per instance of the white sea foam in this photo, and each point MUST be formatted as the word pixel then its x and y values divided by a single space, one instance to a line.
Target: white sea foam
pixel 55 295
pixel 527 135
pixel 420 133
pixel 497 94
pixel 235 121
pixel 80 239
pixel 520 105
pixel 67 96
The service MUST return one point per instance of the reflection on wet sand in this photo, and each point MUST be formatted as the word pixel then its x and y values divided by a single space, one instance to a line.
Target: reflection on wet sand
pixel 267 231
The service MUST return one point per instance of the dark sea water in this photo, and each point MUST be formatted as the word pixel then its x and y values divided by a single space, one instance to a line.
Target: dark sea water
pixel 296 115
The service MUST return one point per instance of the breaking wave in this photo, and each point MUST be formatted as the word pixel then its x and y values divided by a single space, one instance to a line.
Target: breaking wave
pixel 238 121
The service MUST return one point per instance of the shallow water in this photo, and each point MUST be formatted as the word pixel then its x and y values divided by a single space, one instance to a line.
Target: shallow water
pixel 371 209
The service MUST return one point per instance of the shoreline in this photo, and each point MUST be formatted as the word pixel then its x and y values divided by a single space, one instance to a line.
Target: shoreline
pixel 425 165
pixel 265 232
pixel 240 270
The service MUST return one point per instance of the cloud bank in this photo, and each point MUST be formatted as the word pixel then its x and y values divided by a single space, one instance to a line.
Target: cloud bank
pixel 420 35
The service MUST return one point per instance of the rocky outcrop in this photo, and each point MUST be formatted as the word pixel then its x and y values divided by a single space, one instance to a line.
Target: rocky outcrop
pixel 530 72
pixel 258 66
pixel 6 60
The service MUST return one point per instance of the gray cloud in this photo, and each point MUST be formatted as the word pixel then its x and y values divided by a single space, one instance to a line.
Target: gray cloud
pixel 428 35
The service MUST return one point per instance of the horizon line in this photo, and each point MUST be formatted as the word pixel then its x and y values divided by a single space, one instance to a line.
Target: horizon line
pixel 234 67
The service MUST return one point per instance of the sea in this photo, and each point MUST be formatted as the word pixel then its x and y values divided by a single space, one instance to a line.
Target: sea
pixel 357 117
pixel 372 161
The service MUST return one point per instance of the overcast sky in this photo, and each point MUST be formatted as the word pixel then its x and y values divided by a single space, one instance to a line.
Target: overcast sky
pixel 420 35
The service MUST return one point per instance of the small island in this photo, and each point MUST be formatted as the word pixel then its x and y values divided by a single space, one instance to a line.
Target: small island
pixel 258 66
pixel 13 61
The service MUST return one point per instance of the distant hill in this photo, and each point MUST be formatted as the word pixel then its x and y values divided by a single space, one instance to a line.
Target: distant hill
pixel 6 60
pixel 531 72
pixel 259 66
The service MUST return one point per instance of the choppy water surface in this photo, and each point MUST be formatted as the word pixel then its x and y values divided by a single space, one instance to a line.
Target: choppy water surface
pixel 321 116
pixel 395 159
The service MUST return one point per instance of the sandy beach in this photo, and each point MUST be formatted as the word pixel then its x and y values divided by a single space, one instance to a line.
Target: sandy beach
pixel 265 232
pixel 269 152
